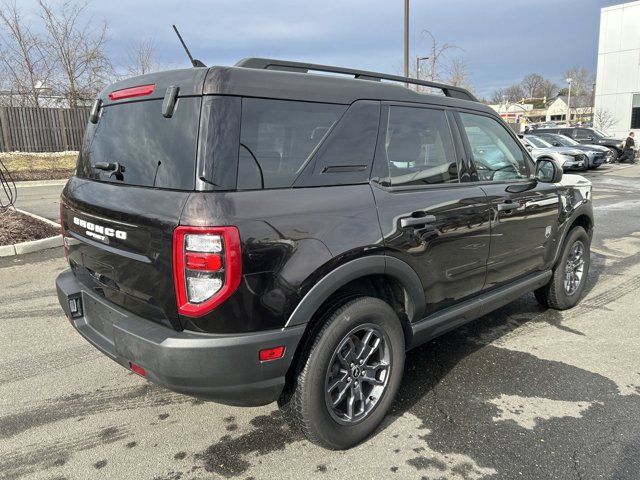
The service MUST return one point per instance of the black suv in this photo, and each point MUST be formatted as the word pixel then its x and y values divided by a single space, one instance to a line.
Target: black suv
pixel 588 136
pixel 257 233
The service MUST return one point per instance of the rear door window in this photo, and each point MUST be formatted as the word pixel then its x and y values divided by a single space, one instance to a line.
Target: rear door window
pixel 419 147
pixel 154 151
pixel 278 138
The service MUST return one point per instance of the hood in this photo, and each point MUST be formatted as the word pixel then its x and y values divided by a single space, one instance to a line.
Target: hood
pixel 565 150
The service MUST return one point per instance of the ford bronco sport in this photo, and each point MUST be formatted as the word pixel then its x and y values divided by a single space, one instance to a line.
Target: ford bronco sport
pixel 263 233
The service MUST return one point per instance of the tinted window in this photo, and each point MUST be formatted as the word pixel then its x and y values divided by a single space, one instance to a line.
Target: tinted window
pixel 347 153
pixel 278 137
pixel 495 152
pixel 418 147
pixel 635 111
pixel 154 150
pixel 583 134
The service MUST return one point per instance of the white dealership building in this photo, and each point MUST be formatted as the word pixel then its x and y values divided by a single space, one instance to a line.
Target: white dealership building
pixel 618 75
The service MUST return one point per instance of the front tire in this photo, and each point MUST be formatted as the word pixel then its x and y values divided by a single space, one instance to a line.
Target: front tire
pixel 350 375
pixel 566 287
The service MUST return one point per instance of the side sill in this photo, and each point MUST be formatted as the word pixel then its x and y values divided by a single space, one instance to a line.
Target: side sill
pixel 453 317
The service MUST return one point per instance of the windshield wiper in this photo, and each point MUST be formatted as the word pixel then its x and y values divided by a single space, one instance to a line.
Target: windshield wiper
pixel 115 168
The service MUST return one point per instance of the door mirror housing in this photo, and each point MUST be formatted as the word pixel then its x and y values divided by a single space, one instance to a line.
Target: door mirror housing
pixel 548 171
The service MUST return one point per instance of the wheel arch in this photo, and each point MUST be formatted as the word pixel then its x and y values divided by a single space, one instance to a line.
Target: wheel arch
pixel 380 276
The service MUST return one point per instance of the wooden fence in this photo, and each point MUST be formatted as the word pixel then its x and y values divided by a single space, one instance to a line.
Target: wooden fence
pixel 29 129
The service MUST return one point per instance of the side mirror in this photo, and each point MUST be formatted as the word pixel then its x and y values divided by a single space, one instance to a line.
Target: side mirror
pixel 529 148
pixel 548 171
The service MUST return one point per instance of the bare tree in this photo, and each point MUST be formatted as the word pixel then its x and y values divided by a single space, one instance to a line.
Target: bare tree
pixel 531 84
pixel 437 60
pixel 458 74
pixel 23 60
pixel 497 96
pixel 604 119
pixel 141 58
pixel 548 90
pixel 514 93
pixel 78 46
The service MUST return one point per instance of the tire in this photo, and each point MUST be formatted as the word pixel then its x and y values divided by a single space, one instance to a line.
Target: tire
pixel 585 167
pixel 615 156
pixel 558 293
pixel 305 403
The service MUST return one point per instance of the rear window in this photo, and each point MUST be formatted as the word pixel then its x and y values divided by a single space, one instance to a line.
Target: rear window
pixel 278 137
pixel 155 151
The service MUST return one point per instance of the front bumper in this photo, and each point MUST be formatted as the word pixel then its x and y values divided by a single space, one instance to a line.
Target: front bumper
pixel 222 368
pixel 573 165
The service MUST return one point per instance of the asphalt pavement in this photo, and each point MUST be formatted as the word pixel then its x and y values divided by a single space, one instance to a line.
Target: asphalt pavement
pixel 41 198
pixel 522 393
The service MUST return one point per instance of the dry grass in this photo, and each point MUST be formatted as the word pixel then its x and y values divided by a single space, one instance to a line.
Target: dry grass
pixel 39 166
pixel 15 227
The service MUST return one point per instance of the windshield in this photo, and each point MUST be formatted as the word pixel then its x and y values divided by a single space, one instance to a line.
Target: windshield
pixel 538 142
pixel 561 139
pixel 600 133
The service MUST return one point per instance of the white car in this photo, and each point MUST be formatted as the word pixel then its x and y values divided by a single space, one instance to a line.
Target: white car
pixel 569 158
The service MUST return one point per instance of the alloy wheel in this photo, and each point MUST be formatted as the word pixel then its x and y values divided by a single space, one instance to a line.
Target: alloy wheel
pixel 358 374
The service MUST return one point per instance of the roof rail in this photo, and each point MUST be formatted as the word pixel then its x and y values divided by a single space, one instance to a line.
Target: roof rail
pixel 301 67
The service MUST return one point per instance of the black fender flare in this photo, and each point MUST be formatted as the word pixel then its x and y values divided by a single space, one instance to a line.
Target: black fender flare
pixel 352 270
pixel 585 209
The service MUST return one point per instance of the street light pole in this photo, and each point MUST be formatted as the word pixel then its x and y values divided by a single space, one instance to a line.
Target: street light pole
pixel 418 60
pixel 569 80
pixel 406 38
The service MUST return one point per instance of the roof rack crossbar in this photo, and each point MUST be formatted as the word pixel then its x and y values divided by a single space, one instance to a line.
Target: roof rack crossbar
pixel 301 67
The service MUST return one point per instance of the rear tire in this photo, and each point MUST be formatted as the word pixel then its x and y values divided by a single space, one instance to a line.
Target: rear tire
pixel 333 372
pixel 566 287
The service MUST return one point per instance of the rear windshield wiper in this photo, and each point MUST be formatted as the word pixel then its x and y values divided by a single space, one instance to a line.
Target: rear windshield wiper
pixel 115 168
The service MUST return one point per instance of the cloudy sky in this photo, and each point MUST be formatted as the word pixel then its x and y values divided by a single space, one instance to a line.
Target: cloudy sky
pixel 500 40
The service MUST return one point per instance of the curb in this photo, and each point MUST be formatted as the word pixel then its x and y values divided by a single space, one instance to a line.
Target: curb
pixel 38 217
pixel 30 247
pixel 33 245
pixel 41 183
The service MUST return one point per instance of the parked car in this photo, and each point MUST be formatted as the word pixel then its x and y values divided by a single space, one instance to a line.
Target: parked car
pixel 591 136
pixel 256 233
pixel 568 158
pixel 597 154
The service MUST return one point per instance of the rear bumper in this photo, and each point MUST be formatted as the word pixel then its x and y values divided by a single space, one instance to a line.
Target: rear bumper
pixel 222 368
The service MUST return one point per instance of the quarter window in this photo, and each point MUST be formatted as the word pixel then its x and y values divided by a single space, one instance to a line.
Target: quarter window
pixel 496 154
pixel 278 137
pixel 419 148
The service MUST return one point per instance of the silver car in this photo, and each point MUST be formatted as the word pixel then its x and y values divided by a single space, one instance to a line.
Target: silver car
pixel 569 158
pixel 597 154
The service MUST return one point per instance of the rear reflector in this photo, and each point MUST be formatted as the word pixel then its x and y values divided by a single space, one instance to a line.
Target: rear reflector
pixel 139 91
pixel 137 369
pixel 271 353
pixel 203 261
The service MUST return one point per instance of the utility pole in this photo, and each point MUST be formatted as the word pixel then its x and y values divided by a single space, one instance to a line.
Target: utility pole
pixel 569 80
pixel 406 38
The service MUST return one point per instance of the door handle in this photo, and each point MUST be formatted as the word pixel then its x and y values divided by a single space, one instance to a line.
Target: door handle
pixel 414 221
pixel 507 207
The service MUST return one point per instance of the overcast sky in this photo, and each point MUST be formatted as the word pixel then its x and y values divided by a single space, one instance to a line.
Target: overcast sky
pixel 501 40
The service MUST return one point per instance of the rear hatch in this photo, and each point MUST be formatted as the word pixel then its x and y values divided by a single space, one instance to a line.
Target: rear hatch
pixel 135 172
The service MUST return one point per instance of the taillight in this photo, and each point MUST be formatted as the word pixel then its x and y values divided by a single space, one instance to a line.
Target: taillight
pixel 139 91
pixel 207 267
pixel 65 247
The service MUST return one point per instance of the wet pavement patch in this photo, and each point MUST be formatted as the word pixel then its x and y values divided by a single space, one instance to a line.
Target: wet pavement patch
pixel 229 456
